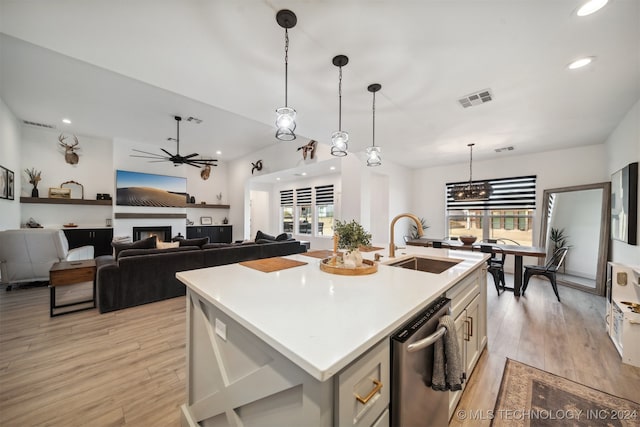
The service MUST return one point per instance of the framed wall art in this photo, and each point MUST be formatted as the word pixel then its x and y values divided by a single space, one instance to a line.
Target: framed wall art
pixel 4 183
pixel 624 204
pixel 10 185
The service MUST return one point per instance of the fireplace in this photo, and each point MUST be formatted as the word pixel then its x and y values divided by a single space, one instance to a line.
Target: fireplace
pixel 163 233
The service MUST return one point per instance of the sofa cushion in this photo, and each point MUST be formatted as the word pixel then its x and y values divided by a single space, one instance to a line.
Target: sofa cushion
pixel 167 245
pixel 148 243
pixel 264 236
pixel 283 236
pixel 154 251
pixel 215 245
pixel 199 241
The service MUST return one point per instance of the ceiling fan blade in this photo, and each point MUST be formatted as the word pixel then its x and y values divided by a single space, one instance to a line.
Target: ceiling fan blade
pixel 151 157
pixel 195 165
pixel 191 155
pixel 145 152
pixel 168 153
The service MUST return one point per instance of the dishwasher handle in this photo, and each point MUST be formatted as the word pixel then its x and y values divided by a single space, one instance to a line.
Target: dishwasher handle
pixel 428 341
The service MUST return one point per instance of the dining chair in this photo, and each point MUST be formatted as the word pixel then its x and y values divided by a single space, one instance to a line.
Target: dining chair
pixel 439 244
pixel 548 270
pixel 495 265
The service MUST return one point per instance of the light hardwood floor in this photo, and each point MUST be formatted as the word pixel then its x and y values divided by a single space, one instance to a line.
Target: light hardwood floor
pixel 128 367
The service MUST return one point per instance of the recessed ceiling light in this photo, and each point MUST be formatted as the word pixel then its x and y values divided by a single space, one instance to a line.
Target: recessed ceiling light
pixel 278 179
pixel 591 6
pixel 218 152
pixel 67 121
pixel 579 63
pixel 303 174
pixel 332 168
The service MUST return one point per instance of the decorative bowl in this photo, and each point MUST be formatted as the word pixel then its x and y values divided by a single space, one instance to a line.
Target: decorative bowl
pixel 468 240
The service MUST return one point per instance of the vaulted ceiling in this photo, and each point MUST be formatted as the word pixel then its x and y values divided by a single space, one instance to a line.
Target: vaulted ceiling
pixel 123 69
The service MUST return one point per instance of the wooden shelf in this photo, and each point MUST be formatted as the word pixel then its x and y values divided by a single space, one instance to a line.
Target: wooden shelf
pixel 46 200
pixel 206 206
pixel 129 215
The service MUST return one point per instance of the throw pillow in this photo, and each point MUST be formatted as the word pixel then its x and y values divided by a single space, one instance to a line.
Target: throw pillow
pixel 167 245
pixel 263 236
pixel 199 241
pixel 282 237
pixel 148 243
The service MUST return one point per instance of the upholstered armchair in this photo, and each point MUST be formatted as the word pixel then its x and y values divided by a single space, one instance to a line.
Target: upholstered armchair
pixel 26 255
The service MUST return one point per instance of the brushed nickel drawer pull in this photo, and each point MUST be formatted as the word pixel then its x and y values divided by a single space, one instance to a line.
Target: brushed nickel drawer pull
pixel 364 400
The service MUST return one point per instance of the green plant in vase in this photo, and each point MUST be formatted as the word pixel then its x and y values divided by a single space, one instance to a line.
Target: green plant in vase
pixel 558 238
pixel 352 235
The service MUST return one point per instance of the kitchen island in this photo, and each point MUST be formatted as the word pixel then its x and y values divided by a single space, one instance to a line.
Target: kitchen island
pixel 294 347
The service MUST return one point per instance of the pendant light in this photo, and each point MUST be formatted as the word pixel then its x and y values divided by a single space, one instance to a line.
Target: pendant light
pixel 339 139
pixel 471 190
pixel 286 118
pixel 373 152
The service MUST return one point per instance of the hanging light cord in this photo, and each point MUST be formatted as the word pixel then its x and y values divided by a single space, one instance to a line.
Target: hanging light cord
pixel 374 119
pixel 286 64
pixel 470 164
pixel 340 101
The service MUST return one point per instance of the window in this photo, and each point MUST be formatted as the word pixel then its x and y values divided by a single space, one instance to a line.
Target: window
pixel 299 216
pixel 305 214
pixel 507 214
pixel 286 210
pixel 324 209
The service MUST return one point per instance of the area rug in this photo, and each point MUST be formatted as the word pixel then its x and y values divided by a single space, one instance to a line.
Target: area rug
pixel 531 397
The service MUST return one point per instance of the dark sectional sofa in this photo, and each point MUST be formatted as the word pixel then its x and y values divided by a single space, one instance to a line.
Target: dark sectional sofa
pixel 141 276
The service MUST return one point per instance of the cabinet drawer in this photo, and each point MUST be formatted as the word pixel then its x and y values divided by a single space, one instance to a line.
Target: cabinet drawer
pixel 369 379
pixel 463 293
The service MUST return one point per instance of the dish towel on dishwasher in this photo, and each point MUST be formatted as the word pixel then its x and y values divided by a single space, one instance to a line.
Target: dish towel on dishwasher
pixel 447 366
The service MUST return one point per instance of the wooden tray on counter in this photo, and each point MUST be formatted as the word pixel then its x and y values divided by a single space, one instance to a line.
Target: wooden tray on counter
pixel 368 267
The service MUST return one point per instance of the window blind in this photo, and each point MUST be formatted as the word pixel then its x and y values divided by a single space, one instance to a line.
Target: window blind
pixel 324 195
pixel 286 198
pixel 303 196
pixel 508 193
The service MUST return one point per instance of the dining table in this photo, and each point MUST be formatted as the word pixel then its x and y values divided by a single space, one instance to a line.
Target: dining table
pixel 518 251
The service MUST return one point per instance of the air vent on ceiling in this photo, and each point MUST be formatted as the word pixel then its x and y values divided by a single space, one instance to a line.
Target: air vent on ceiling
pixel 40 125
pixel 500 150
pixel 194 119
pixel 476 98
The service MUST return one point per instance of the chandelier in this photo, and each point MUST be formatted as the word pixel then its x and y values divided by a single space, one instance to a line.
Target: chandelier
pixel 480 190
pixel 373 152
pixel 340 138
pixel 286 116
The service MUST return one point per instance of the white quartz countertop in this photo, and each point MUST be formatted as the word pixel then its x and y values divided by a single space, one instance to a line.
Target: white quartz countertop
pixel 322 321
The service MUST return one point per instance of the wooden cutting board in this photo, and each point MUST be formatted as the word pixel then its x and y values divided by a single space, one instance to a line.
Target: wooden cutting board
pixel 321 253
pixel 269 265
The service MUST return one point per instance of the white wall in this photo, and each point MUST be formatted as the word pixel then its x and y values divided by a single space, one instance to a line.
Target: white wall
pixel 623 147
pixel 41 150
pixel 562 168
pixel 10 159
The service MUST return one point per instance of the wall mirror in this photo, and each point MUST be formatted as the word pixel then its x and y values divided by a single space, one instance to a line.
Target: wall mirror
pixel 582 214
pixel 77 190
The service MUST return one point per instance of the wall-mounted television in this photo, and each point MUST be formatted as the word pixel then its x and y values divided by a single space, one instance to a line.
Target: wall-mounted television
pixel 624 204
pixel 146 189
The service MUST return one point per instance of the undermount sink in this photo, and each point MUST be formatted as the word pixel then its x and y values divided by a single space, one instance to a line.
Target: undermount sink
pixel 429 265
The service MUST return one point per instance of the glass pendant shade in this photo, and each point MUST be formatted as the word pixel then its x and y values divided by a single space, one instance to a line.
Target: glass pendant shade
pixel 373 158
pixel 339 143
pixel 286 124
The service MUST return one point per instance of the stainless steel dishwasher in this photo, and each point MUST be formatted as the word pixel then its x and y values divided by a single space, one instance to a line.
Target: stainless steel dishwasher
pixel 413 402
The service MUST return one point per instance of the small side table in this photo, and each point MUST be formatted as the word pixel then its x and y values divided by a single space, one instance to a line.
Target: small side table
pixel 69 273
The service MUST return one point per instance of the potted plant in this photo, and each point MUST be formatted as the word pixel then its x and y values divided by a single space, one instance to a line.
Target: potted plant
pixel 414 229
pixel 558 238
pixel 351 236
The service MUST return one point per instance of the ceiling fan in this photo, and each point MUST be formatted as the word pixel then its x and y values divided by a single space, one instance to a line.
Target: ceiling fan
pixel 177 159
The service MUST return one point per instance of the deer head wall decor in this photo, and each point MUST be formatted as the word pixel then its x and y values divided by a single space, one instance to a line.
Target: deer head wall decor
pixel 70 156
pixel 205 172
pixel 308 149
